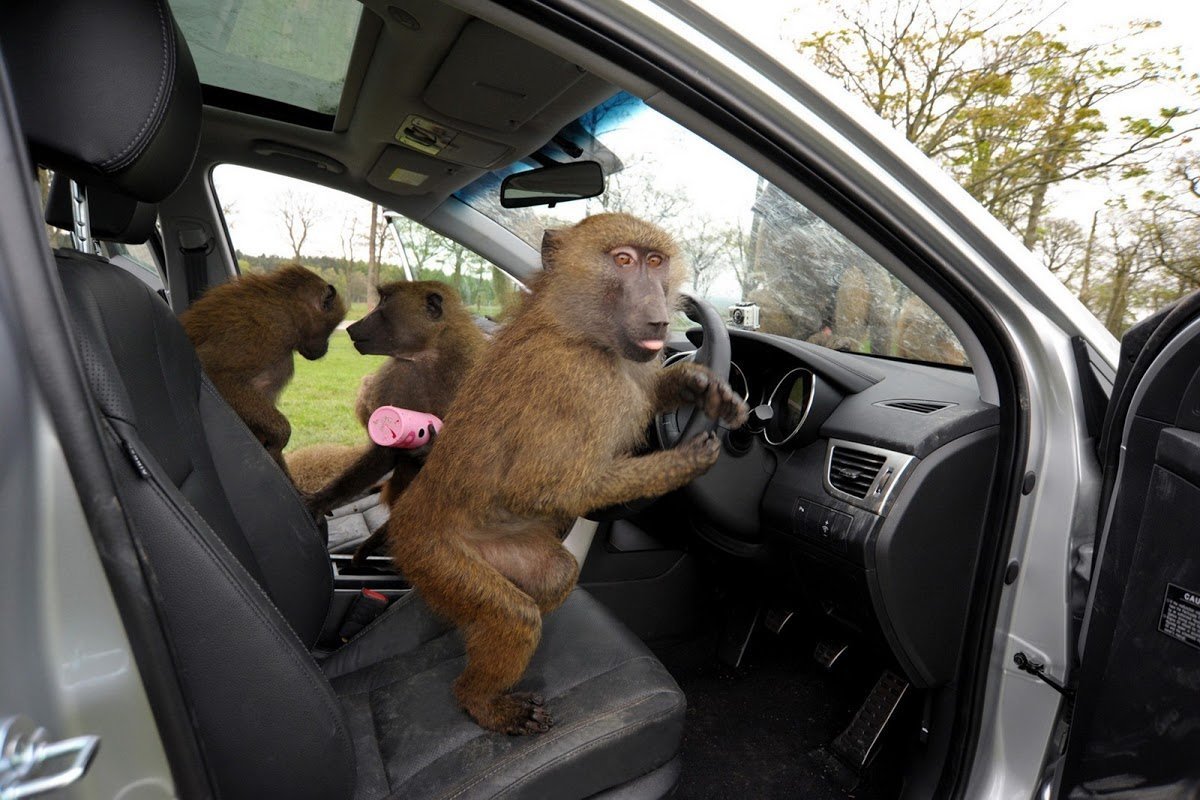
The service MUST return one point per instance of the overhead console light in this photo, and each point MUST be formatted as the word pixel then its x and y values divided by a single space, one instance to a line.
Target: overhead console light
pixel 434 139
pixel 424 136
pixel 404 18
pixel 407 176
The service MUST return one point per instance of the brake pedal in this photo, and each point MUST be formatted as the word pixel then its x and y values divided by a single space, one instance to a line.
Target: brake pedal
pixel 827 653
pixel 857 744
pixel 739 626
pixel 776 618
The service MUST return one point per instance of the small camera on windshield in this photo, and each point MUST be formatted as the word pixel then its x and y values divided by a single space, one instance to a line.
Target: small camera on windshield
pixel 744 315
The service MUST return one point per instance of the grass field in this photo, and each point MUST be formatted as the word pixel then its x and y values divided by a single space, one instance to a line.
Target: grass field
pixel 319 402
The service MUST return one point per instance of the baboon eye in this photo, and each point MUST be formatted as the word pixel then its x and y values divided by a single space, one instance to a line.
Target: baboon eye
pixel 623 258
pixel 656 259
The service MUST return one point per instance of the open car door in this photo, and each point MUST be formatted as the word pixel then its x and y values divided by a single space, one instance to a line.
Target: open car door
pixel 1135 730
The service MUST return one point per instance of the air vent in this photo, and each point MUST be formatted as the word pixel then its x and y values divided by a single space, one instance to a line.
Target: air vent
pixel 916 406
pixel 864 475
pixel 853 471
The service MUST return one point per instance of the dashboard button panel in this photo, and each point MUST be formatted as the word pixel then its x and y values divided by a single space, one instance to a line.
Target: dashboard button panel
pixel 831 527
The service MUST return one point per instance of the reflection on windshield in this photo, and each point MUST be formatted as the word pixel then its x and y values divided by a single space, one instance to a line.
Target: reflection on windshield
pixel 812 283
pixel 744 240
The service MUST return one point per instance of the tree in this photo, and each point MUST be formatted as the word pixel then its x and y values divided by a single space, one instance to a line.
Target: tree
pixel 1061 244
pixel 349 237
pixel 637 189
pixel 705 247
pixel 374 248
pixel 300 215
pixel 743 263
pixel 1008 109
pixel 419 246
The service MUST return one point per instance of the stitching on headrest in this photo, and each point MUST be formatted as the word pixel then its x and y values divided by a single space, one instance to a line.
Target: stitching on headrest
pixel 167 73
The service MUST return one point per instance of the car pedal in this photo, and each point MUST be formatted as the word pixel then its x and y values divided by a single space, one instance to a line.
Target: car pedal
pixel 739 626
pixel 828 653
pixel 776 618
pixel 857 744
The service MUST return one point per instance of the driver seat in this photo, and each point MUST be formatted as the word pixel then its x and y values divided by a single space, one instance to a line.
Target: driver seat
pixel 230 562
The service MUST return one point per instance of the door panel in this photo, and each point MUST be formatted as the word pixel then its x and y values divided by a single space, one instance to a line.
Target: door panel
pixel 1135 730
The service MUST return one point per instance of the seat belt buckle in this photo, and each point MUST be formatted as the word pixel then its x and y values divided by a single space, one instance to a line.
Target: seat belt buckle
pixel 364 609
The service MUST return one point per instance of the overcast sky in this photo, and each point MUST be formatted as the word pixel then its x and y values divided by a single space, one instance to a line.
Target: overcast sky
pixel 257 227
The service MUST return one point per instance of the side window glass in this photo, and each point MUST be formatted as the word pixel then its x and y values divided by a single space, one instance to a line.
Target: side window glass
pixel 354 245
pixel 141 254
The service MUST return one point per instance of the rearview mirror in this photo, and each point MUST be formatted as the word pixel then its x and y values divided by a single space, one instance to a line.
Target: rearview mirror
pixel 550 185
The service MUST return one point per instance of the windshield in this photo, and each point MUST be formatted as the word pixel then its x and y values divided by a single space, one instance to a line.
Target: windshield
pixel 762 258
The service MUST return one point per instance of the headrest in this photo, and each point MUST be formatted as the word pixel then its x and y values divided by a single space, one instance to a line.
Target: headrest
pixel 114 217
pixel 106 91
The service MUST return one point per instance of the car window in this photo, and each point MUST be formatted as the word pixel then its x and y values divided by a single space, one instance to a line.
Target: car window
pixel 755 253
pixel 141 254
pixel 273 220
pixel 237 45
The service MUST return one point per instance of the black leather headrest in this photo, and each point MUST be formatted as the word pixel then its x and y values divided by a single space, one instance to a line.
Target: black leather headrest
pixel 106 91
pixel 114 217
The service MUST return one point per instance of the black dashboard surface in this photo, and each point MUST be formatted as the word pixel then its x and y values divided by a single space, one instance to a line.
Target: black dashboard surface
pixel 894 565
pixel 865 382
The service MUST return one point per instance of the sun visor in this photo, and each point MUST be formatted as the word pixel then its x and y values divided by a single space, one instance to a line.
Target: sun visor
pixel 503 90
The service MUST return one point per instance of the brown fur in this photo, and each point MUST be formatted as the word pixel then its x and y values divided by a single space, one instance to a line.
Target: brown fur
pixel 314 466
pixel 245 332
pixel 432 341
pixel 922 335
pixel 543 430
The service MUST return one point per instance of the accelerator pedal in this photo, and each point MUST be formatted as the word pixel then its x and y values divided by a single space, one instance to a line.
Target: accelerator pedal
pixel 856 745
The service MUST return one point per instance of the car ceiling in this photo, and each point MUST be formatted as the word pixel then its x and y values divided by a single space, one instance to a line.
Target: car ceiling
pixel 501 97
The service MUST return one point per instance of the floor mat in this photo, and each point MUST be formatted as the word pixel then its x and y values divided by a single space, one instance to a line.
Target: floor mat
pixel 752 732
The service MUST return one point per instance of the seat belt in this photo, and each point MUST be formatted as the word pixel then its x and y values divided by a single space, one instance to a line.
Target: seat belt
pixel 194 246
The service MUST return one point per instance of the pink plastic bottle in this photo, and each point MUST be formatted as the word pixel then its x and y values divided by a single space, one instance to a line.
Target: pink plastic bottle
pixel 399 427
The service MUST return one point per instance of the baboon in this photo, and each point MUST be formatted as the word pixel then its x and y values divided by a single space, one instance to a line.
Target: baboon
pixel 432 341
pixel 314 465
pixel 923 336
pixel 543 430
pixel 245 332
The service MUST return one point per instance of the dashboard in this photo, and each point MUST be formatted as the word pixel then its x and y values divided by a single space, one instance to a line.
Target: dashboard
pixel 858 486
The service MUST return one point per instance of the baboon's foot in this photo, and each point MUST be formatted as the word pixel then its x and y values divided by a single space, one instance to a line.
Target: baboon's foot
pixel 517 714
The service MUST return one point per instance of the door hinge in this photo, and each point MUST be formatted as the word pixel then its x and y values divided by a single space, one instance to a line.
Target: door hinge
pixel 1038 670
pixel 27 760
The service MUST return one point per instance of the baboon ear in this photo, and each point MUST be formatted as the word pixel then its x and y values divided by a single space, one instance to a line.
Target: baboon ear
pixel 433 305
pixel 551 241
pixel 328 297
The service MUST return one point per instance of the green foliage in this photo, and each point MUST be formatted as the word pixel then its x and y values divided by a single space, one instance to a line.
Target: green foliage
pixel 1012 109
pixel 319 402
pixel 429 255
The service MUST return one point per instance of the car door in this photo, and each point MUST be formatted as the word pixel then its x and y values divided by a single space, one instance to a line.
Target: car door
pixel 1135 729
pixel 75 720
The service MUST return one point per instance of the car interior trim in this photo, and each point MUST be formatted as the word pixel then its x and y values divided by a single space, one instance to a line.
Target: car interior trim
pixel 793 375
pixel 888 476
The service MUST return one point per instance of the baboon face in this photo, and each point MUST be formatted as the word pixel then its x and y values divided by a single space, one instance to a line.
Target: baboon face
pixel 639 277
pixel 406 320
pixel 325 309
pixel 615 274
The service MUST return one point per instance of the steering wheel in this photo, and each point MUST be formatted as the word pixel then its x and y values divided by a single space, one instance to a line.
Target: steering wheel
pixel 683 423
